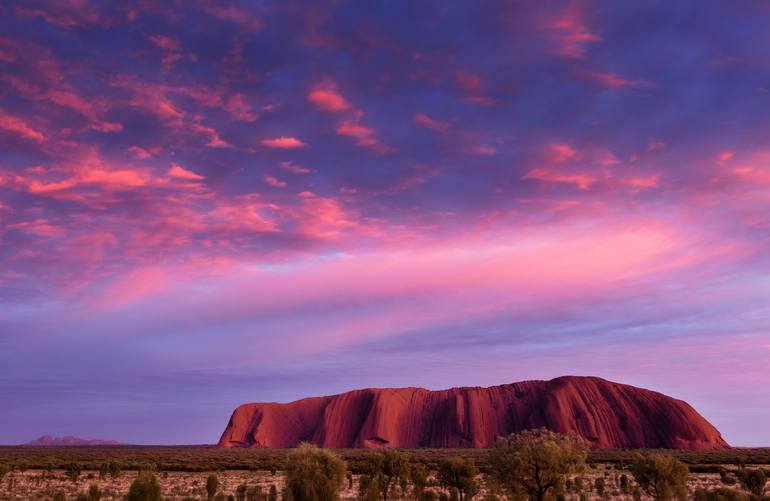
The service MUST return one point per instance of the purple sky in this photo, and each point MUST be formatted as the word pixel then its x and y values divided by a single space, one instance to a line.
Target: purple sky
pixel 209 203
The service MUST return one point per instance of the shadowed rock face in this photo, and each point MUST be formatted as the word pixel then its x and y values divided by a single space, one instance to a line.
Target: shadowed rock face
pixel 606 414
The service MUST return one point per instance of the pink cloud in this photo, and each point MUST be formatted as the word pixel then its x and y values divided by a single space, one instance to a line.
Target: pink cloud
pixel 214 140
pixel 235 15
pixel 483 150
pixel 613 80
pixel 179 172
pixel 570 34
pixel 275 182
pixel 643 182
pixel 284 143
pixel 365 136
pixel 725 156
pixel 655 144
pixel 164 42
pixel 605 158
pixel 131 287
pixel 561 152
pixel 39 227
pixel 582 181
pixel 469 82
pixel 325 96
pixel 426 121
pixel 473 87
pixel 240 109
pixel 140 153
pixel 293 168
pixel 18 126
pixel 753 174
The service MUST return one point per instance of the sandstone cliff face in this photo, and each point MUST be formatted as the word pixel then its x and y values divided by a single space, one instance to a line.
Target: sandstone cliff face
pixel 606 414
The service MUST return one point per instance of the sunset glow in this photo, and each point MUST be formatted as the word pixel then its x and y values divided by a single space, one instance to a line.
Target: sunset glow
pixel 205 203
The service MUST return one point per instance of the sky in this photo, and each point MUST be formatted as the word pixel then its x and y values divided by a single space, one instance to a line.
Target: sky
pixel 204 204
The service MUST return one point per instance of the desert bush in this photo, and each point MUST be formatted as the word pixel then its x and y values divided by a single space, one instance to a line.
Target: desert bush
pixel 419 477
pixel 114 469
pixel 725 477
pixel 535 462
pixel 661 476
pixel 384 472
pixel 426 495
pixel 144 488
pixel 753 480
pixel 624 486
pixel 599 485
pixel 59 496
pixel 240 492
pixel 720 494
pixel 313 474
pixel 94 493
pixel 254 494
pixel 459 474
pixel 272 494
pixel 72 471
pixel 212 484
pixel 4 470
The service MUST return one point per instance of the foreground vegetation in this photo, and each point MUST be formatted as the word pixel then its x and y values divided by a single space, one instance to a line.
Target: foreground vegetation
pixel 535 464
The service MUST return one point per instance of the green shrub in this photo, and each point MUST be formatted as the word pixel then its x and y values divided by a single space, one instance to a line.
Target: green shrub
pixel 535 462
pixel 144 488
pixel 114 468
pixel 385 471
pixel 599 485
pixel 94 493
pixel 624 486
pixel 72 471
pixel 459 474
pixel 314 474
pixel 753 480
pixel 212 484
pixel 661 476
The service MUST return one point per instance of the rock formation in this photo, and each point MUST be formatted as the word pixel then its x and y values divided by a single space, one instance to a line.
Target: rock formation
pixel 69 440
pixel 606 414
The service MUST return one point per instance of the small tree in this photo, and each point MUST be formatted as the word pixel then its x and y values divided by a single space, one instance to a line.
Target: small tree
pixel 240 492
pixel 314 474
pixel 624 487
pixel 753 480
pixel 4 470
pixel 254 493
pixel 536 461
pixel 386 470
pixel 144 488
pixel 212 484
pixel 94 493
pixel 459 474
pixel 419 477
pixel 599 485
pixel 661 476
pixel 114 469
pixel 59 496
pixel 272 493
pixel 72 471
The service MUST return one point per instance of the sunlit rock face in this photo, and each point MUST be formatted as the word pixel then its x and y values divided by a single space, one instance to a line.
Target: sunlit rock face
pixel 604 413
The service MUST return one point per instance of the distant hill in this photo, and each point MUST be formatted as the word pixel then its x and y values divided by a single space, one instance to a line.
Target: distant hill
pixel 607 415
pixel 69 440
